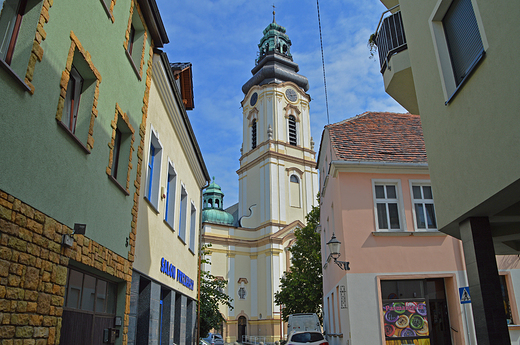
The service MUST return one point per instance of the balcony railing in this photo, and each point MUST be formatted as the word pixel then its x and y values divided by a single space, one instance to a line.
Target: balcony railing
pixel 390 38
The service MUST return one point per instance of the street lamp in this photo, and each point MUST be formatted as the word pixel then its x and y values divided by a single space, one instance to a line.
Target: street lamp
pixel 334 245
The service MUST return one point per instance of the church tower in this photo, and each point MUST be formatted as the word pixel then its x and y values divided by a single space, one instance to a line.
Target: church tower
pixel 278 180
pixel 278 184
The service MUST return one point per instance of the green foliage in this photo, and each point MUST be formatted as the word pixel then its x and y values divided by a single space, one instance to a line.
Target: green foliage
pixel 211 297
pixel 301 289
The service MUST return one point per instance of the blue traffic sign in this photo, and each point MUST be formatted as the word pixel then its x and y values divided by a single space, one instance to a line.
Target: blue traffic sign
pixel 464 295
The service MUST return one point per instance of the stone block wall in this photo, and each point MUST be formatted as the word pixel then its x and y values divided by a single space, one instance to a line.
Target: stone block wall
pixel 33 273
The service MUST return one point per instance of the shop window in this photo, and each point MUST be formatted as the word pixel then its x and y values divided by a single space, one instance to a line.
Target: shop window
pixel 154 170
pixel 78 97
pixel 386 197
pixel 170 195
pixel 294 190
pixel 459 42
pixel 183 210
pixel 505 298
pixel 424 210
pixel 136 36
pixel 193 220
pixel 291 123
pixel 121 148
pixel 253 133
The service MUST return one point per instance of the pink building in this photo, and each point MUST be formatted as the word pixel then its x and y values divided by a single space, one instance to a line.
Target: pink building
pixel 402 285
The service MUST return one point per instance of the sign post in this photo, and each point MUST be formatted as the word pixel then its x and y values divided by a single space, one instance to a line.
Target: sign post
pixel 465 298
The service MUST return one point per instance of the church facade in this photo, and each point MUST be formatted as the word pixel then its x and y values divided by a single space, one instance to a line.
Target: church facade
pixel 278 184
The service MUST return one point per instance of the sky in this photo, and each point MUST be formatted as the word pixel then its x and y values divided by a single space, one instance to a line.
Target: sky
pixel 220 38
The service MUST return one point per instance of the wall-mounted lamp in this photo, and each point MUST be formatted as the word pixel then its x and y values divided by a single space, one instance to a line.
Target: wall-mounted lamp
pixel 68 240
pixel 334 245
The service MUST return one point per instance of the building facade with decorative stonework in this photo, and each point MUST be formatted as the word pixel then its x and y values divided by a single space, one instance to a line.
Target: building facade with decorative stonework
pixel 278 184
pixel 75 84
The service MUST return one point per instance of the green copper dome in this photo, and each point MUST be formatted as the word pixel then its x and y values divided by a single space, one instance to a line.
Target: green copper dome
pixel 275 40
pixel 213 208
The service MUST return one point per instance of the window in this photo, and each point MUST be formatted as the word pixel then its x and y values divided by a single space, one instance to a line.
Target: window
pixel 170 195
pixel 154 170
pixel 74 87
pixel 253 134
pixel 193 220
pixel 463 38
pixel 108 5
pixel 78 97
pixel 424 210
pixel 10 23
pixel 460 43
pixel 387 206
pixel 294 190
pixel 292 130
pixel 121 148
pixel 182 214
pixel 136 37
pixel 89 293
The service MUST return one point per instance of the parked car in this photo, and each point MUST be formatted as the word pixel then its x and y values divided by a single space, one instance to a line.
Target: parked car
pixel 307 338
pixel 214 339
pixel 203 342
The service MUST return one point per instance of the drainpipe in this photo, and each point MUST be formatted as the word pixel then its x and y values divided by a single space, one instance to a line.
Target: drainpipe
pixel 200 263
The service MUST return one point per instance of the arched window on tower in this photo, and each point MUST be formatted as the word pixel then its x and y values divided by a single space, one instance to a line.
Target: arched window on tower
pixel 292 130
pixel 294 189
pixel 253 134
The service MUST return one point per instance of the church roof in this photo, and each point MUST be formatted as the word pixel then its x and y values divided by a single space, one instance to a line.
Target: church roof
pixel 275 63
pixel 379 137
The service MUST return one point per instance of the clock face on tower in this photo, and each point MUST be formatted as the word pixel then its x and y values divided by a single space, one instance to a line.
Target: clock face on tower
pixel 291 95
pixel 253 99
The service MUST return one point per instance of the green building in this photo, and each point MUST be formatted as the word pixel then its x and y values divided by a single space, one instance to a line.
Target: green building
pixel 75 78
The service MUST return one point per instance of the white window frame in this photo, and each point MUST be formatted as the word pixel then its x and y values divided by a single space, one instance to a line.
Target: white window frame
pixel 399 201
pixel 152 191
pixel 171 189
pixel 440 44
pixel 183 213
pixel 299 201
pixel 421 183
pixel 193 222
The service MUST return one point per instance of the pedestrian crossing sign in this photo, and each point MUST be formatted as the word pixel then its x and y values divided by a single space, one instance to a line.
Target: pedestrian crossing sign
pixel 464 295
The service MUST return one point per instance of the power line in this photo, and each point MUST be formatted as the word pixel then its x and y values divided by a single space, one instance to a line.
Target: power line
pixel 323 64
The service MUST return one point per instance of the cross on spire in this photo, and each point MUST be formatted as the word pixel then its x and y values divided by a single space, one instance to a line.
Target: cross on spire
pixel 274 21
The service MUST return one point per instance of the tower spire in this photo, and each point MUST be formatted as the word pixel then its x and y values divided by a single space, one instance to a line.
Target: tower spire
pixel 274 21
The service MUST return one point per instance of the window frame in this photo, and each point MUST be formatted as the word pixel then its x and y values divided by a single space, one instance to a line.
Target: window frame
pixel 398 201
pixel 82 61
pixel 153 170
pixel 136 28
pixel 254 133
pixel 171 189
pixel 508 283
pixel 193 222
pixel 442 51
pixel 291 122
pixel 183 213
pixel 121 142
pixel 298 204
pixel 423 201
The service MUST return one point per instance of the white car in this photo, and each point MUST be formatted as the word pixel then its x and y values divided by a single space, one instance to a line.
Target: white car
pixel 307 338
pixel 214 339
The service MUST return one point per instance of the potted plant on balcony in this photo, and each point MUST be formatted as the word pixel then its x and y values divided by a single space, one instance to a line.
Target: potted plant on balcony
pixel 372 44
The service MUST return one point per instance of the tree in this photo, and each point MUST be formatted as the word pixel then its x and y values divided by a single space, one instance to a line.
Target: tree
pixel 211 297
pixel 301 288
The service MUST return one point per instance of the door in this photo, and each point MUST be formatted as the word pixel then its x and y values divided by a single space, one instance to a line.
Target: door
pixel 440 330
pixel 242 324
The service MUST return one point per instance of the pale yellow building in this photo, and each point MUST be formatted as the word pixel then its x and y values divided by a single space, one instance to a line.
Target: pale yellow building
pixel 278 183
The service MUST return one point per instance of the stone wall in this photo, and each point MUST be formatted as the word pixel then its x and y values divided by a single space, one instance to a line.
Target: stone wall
pixel 33 273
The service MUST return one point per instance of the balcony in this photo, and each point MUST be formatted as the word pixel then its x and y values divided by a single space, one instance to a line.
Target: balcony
pixel 394 60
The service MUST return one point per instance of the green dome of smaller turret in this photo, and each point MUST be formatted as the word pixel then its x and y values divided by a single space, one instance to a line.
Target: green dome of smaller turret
pixel 213 211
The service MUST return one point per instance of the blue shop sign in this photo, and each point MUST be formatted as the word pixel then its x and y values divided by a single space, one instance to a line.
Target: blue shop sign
pixel 170 270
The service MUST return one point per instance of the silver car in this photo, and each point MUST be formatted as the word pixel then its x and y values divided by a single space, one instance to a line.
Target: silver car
pixel 214 339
